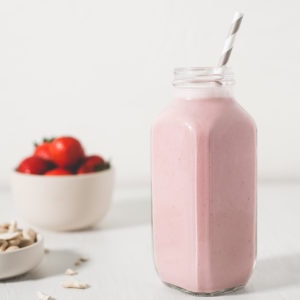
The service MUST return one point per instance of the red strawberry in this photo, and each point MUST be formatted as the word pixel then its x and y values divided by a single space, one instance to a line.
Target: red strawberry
pixel 66 151
pixel 92 163
pixel 34 165
pixel 58 171
pixel 43 150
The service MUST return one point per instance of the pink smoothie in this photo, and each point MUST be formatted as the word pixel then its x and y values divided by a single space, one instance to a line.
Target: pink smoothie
pixel 204 192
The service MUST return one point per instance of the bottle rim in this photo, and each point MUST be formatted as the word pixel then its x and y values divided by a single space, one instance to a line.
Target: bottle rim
pixel 203 76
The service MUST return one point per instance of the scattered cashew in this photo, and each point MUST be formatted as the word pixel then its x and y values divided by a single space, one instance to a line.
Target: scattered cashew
pixel 70 272
pixel 42 296
pixel 74 284
pixel 80 260
pixel 83 259
pixel 77 262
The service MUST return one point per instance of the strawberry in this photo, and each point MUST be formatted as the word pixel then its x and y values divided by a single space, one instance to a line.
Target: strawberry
pixel 58 171
pixel 43 150
pixel 66 151
pixel 34 165
pixel 92 163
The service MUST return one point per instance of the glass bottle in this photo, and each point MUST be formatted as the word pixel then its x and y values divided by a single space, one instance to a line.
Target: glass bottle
pixel 203 151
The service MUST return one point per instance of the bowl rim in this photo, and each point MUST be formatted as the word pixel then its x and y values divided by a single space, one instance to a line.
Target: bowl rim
pixel 95 174
pixel 39 242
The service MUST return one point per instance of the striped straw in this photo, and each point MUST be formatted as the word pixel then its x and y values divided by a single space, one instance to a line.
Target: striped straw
pixel 236 22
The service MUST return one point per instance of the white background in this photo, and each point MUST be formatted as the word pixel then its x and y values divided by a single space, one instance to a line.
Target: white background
pixel 102 70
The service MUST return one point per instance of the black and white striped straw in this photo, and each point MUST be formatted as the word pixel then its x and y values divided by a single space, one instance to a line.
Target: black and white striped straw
pixel 236 22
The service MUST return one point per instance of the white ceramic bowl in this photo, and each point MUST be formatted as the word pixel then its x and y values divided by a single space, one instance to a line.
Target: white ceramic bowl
pixel 63 203
pixel 20 261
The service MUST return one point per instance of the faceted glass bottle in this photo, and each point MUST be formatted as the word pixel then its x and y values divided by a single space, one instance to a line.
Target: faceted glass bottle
pixel 203 151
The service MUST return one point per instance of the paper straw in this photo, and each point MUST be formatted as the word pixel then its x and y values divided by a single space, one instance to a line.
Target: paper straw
pixel 236 22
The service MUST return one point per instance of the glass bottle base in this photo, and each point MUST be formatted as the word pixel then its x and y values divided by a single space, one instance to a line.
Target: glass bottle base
pixel 217 293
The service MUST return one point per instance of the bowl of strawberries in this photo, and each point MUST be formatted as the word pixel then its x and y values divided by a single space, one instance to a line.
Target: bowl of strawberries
pixel 61 188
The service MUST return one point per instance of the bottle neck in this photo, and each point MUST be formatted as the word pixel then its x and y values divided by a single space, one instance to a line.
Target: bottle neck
pixel 203 83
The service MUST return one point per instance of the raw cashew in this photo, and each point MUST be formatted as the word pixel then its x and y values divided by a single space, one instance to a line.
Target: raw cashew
pixel 42 296
pixel 29 234
pixel 3 246
pixel 13 226
pixel 11 248
pixel 25 243
pixel 9 235
pixel 70 272
pixel 74 284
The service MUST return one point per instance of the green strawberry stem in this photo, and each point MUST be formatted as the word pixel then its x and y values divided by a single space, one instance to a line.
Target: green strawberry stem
pixel 44 140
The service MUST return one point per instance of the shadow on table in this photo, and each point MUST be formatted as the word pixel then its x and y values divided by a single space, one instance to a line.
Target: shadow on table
pixel 274 273
pixel 54 263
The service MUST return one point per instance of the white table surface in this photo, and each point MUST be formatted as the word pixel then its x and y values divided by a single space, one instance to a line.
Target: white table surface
pixel 120 262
